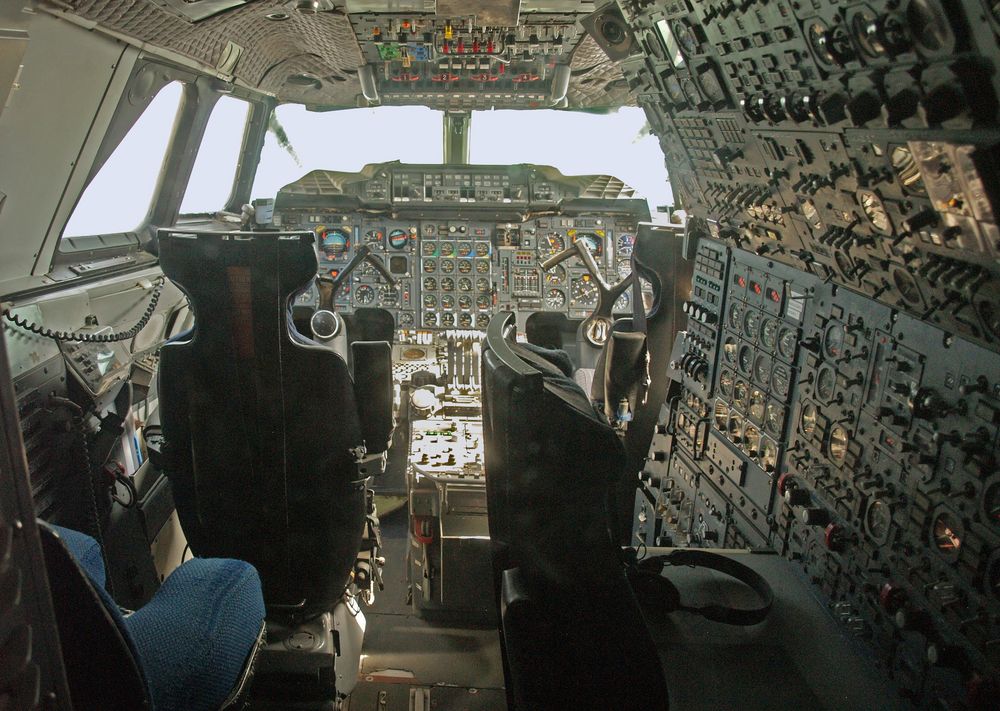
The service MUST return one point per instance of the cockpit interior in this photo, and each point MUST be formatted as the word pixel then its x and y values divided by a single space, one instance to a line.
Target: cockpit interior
pixel 423 355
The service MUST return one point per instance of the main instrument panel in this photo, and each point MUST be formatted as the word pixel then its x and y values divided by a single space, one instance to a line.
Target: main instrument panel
pixel 463 242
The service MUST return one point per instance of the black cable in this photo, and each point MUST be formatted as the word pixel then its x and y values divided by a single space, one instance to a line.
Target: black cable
pixel 90 337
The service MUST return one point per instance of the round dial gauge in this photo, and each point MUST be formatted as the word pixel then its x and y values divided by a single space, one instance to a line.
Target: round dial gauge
pixel 430 284
pixel 482 266
pixel 465 249
pixel 769 334
pixel 447 301
pixel 406 319
pixel 594 242
pixel 465 320
pixel 745 359
pixel 430 266
pixel 781 380
pixel 465 301
pixel 721 415
pixel 551 243
pixel 756 406
pixel 555 299
pixel 399 239
pixel 774 416
pixel 483 301
pixel 734 428
pixel 726 383
pixel 622 303
pixel 751 440
pixel 482 321
pixel 464 266
pixel 334 242
pixel 430 318
pixel 584 290
pixel 751 324
pixel 447 320
pixel 947 533
pixel 447 284
pixel 787 340
pixel 373 238
pixel 626 243
pixel 428 248
pixel 808 421
pixel 624 269
pixel 447 249
pixel 483 286
pixel 556 276
pixel 762 368
pixel 430 301
pixel 735 317
pixel 388 295
pixel 364 294
pixel 465 284
pixel 447 266
pixel 740 391
pixel 833 340
pixel 729 349
pixel 482 249
pixel 826 381
pixel 767 455
pixel 878 520
pixel 839 439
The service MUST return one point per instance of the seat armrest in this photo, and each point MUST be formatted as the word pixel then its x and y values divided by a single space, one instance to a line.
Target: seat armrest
pixel 373 387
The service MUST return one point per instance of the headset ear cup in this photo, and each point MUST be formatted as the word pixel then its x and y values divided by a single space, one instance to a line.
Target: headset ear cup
pixel 657 596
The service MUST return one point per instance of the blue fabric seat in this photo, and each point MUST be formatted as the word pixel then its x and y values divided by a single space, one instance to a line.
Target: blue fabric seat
pixel 192 641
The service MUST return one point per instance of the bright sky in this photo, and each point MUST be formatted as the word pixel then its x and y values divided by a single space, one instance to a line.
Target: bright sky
pixel 576 143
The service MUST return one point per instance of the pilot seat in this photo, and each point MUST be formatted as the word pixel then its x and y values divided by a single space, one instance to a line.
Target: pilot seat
pixel 269 439
pixel 572 632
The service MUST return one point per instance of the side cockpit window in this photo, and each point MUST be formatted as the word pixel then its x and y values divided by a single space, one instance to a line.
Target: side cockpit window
pixel 118 197
pixel 214 171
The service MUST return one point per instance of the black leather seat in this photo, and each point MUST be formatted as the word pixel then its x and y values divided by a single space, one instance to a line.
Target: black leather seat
pixel 267 439
pixel 572 632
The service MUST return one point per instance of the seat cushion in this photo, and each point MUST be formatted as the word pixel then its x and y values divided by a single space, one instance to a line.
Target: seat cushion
pixel 194 637
pixel 87 552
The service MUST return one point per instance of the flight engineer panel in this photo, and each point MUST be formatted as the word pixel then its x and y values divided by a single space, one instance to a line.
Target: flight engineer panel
pixel 463 242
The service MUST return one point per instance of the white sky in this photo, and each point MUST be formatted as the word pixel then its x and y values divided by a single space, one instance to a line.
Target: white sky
pixel 576 143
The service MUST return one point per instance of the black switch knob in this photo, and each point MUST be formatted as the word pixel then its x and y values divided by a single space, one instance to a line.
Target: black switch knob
pixel 864 107
pixel 814 516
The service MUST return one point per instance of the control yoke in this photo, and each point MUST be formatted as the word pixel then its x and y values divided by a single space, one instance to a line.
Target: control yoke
pixel 324 323
pixel 597 326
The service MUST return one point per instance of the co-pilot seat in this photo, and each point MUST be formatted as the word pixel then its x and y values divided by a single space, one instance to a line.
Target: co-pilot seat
pixel 268 440
pixel 572 632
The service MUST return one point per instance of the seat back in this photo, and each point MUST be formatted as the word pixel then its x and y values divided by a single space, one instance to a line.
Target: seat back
pixel 551 465
pixel 262 434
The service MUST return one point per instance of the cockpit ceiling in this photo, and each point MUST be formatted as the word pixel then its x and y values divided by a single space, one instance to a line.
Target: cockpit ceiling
pixel 314 58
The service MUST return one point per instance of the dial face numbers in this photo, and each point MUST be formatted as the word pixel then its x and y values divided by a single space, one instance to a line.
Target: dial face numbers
pixel 399 239
pixel 430 318
pixel 735 316
pixel 483 286
pixel 625 245
pixel 726 383
pixel 555 299
pixel 465 284
pixel 430 301
pixel 428 248
pixel 769 334
pixel 446 249
pixel 482 266
pixel 787 340
pixel 756 405
pixel 388 295
pixel 464 266
pixel 430 284
pixel 584 290
pixel 482 249
pixel 808 419
pixel 594 240
pixel 482 321
pixel 447 301
pixel 729 350
pixel 624 269
pixel 767 455
pixel 465 249
pixel 826 381
pixel 465 320
pixel 781 380
pixel 556 276
pixel 465 301
pixel 447 266
pixel 774 417
pixel 551 243
pixel 762 368
pixel 447 320
pixel 483 302
pixel 833 340
pixel 364 295
pixel 622 303
pixel 745 358
pixel 334 242
pixel 839 439
pixel 406 319
pixel 447 284
pixel 373 238
pixel 751 324
pixel 430 266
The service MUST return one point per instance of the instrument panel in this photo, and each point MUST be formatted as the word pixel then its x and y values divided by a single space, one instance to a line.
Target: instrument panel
pixel 458 256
